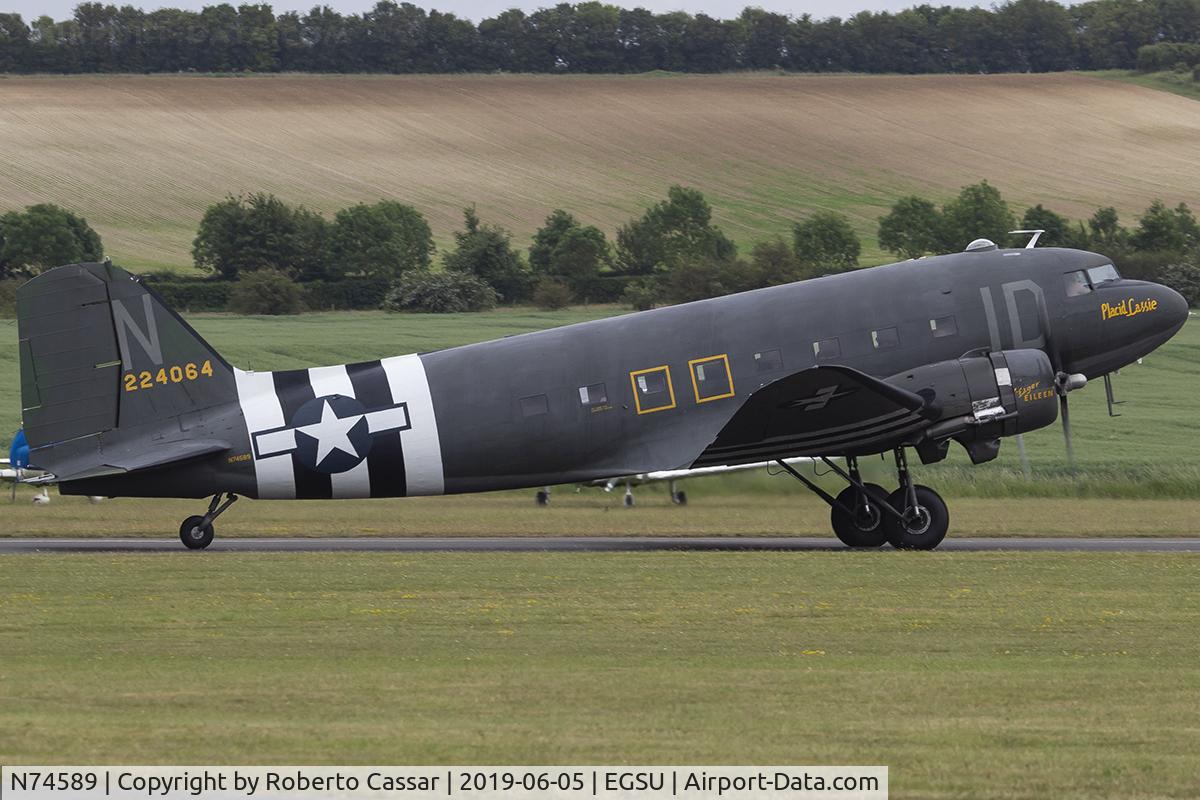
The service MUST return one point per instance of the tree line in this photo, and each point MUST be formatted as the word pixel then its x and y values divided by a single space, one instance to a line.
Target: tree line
pixel 264 255
pixel 594 37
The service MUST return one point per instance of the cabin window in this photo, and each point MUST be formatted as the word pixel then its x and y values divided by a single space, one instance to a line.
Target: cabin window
pixel 1077 283
pixel 768 361
pixel 943 326
pixel 1097 275
pixel 593 395
pixel 710 378
pixel 827 348
pixel 534 405
pixel 885 338
pixel 652 389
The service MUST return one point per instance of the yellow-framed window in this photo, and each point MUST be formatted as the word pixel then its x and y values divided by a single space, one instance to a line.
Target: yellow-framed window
pixel 711 378
pixel 652 389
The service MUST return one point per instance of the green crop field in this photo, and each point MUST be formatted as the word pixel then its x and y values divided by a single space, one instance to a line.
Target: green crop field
pixel 141 156
pixel 974 675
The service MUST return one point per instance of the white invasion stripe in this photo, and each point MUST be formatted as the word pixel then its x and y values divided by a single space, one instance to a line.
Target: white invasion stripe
pixel 273 443
pixel 354 482
pixel 262 411
pixel 387 419
pixel 422 447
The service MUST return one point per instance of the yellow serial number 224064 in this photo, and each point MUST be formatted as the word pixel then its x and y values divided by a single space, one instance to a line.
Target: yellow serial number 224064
pixel 136 381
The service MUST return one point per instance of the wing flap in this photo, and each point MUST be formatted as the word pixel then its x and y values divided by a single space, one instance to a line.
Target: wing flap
pixel 826 410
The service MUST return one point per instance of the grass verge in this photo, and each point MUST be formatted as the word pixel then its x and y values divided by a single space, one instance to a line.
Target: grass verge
pixel 971 675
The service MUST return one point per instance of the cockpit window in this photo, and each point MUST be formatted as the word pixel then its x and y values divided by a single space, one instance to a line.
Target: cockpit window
pixel 1077 283
pixel 1097 275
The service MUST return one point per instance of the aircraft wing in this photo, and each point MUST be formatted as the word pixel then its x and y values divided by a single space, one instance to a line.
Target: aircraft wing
pixel 821 411
pixel 680 474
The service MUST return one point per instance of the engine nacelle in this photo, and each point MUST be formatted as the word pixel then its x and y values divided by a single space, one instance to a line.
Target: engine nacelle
pixel 982 398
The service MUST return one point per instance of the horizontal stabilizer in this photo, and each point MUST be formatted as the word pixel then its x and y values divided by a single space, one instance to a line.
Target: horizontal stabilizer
pixel 822 411
pixel 161 455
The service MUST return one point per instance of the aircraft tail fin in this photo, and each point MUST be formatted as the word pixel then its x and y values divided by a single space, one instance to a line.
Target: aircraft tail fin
pixel 105 362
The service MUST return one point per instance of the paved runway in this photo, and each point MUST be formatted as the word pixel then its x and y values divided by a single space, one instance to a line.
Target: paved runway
pixel 570 544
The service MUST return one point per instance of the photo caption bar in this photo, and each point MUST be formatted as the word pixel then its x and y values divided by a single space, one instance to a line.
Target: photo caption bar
pixel 438 783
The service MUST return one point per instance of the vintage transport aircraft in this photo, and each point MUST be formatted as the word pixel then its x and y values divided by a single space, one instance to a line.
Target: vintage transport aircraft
pixel 122 398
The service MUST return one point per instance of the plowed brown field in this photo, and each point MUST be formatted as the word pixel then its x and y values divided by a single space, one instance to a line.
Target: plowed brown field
pixel 142 156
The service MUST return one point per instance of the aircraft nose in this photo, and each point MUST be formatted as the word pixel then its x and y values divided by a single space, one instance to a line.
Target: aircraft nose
pixel 1174 308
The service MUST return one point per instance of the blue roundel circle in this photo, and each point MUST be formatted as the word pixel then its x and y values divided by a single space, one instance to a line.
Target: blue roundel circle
pixel 331 434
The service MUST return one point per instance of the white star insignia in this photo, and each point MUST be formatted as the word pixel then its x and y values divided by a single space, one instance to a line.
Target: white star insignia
pixel 331 433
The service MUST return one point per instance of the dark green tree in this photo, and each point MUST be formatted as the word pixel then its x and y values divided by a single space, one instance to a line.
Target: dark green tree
pixel 579 257
pixel 486 252
pixel 676 229
pixel 912 228
pixel 700 279
pixel 1059 232
pixel 386 239
pixel 547 238
pixel 772 263
pixel 260 231
pixel 825 242
pixel 979 212
pixel 1040 34
pixel 1106 232
pixel 1165 229
pixel 44 236
pixel 15 55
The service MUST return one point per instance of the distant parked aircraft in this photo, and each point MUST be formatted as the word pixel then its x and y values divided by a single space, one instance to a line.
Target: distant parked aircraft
pixel 122 398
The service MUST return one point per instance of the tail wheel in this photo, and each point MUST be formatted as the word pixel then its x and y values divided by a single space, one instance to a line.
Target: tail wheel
pixel 924 526
pixel 194 534
pixel 865 526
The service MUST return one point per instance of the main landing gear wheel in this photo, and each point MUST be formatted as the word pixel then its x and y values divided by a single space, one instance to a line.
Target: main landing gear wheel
pixel 923 526
pixel 542 498
pixel 195 534
pixel 864 527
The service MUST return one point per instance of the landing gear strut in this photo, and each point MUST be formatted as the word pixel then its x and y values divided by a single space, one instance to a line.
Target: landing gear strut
pixel 924 520
pixel 913 517
pixel 196 532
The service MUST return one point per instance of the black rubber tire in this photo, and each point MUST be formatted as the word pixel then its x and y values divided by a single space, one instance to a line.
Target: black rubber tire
pixel 542 498
pixel 923 533
pixel 849 530
pixel 193 542
pixel 628 501
pixel 679 498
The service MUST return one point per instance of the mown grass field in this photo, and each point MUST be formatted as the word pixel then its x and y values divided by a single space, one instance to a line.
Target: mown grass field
pixel 971 675
pixel 142 156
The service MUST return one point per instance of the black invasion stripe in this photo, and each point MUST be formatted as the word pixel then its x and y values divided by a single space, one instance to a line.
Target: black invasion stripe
pixel 752 451
pixel 385 462
pixel 821 436
pixel 294 389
